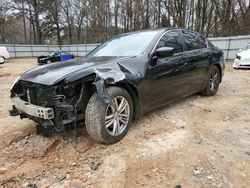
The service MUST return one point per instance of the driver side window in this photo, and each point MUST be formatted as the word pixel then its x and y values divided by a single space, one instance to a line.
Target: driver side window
pixel 171 39
pixel 57 54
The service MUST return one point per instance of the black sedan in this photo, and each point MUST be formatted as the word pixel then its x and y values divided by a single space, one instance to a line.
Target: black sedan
pixel 120 80
pixel 54 57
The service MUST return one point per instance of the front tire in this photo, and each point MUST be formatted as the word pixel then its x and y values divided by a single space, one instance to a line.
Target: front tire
pixel 109 123
pixel 214 77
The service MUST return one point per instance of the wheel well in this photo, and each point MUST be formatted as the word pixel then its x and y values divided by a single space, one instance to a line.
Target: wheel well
pixel 134 96
pixel 128 87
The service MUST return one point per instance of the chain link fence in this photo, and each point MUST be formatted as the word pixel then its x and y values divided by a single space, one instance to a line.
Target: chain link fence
pixel 21 50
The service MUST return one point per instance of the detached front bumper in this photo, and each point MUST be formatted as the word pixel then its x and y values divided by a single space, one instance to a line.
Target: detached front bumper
pixel 36 111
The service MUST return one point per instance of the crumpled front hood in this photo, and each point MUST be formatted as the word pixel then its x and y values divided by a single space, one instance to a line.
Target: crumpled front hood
pixel 56 72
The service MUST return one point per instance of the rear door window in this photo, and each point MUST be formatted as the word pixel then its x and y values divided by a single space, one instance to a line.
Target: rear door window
pixel 171 39
pixel 193 41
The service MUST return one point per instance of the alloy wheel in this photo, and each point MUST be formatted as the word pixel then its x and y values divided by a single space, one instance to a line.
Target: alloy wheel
pixel 117 116
pixel 214 80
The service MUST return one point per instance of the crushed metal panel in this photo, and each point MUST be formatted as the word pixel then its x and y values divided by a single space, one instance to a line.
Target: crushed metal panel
pixel 110 75
pixel 106 76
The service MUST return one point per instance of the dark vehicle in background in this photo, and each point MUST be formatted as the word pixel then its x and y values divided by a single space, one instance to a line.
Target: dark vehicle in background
pixel 120 80
pixel 54 57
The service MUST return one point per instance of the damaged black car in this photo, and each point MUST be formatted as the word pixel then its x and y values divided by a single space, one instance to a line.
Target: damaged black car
pixel 54 57
pixel 117 82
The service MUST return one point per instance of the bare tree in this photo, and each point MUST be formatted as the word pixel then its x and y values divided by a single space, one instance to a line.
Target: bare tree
pixel 4 8
pixel 81 21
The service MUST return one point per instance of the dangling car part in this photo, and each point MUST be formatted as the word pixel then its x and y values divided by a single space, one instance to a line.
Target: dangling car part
pixel 120 80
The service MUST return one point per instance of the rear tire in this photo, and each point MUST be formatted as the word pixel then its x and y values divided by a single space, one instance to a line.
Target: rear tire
pixel 214 77
pixel 109 123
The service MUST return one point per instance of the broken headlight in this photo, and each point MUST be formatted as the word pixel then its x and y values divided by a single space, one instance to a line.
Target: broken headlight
pixel 67 92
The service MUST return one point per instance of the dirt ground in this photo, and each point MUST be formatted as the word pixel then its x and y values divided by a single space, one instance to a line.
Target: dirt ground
pixel 196 142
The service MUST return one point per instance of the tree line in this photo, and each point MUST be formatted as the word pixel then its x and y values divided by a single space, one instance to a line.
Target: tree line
pixel 92 21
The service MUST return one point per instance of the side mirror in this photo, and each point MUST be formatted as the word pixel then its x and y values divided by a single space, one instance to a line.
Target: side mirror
pixel 164 52
pixel 161 53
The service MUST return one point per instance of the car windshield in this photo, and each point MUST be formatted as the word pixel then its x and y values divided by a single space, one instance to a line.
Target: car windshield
pixel 247 47
pixel 54 54
pixel 131 44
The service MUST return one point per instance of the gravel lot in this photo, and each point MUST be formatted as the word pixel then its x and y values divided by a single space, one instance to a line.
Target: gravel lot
pixel 196 142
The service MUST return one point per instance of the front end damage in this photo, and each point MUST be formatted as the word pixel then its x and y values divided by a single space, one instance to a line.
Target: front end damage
pixel 54 107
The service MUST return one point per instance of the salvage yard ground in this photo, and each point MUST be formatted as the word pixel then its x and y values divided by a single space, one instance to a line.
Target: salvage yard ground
pixel 196 142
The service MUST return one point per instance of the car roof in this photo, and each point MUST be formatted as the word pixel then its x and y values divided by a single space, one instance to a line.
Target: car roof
pixel 59 51
pixel 160 29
